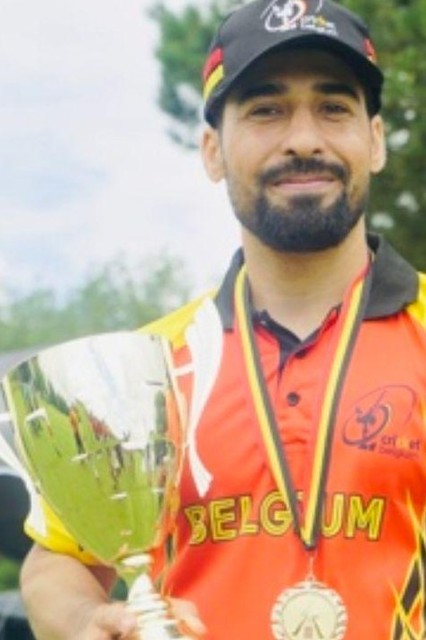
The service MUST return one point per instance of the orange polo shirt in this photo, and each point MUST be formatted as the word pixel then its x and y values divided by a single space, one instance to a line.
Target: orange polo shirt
pixel 235 548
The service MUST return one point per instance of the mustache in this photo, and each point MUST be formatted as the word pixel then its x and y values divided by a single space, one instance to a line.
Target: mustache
pixel 303 166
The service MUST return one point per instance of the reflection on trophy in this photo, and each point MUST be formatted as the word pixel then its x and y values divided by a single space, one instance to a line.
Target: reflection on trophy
pixel 98 423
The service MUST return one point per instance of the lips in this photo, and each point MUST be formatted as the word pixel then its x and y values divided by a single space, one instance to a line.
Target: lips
pixel 304 173
pixel 303 181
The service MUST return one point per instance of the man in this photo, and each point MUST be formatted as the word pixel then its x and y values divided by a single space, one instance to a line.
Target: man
pixel 303 492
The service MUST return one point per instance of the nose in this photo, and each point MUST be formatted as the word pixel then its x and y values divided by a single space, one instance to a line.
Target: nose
pixel 302 135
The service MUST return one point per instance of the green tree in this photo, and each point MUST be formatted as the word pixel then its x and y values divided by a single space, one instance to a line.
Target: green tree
pixel 183 40
pixel 398 197
pixel 116 295
pixel 9 574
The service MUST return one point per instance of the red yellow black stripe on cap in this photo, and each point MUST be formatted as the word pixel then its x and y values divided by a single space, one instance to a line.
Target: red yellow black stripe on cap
pixel 213 73
pixel 370 51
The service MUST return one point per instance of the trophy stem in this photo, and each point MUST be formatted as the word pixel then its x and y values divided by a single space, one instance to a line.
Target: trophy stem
pixel 154 619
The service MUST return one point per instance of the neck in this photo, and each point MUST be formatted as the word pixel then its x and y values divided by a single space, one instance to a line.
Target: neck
pixel 298 290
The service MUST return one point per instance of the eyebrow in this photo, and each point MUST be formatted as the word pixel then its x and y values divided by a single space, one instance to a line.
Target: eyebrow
pixel 338 88
pixel 245 94
pixel 329 88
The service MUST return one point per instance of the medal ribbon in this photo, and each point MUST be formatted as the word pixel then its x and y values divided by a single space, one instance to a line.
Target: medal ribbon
pixel 350 321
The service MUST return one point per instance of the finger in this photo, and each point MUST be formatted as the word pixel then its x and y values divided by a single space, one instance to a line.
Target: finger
pixel 114 620
pixel 188 617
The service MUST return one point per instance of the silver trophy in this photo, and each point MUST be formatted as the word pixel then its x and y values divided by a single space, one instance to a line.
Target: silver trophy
pixel 98 423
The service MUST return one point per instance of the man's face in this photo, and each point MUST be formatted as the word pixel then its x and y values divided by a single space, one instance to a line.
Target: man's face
pixel 297 148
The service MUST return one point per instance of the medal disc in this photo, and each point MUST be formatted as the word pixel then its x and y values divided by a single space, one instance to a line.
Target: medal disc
pixel 309 611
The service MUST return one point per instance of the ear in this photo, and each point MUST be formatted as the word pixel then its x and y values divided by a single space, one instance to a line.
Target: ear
pixel 378 147
pixel 211 150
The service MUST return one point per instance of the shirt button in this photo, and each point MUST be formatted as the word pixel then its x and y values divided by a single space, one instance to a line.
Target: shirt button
pixel 293 399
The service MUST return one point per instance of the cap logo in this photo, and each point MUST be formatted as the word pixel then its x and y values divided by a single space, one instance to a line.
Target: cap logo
pixel 289 15
pixel 283 15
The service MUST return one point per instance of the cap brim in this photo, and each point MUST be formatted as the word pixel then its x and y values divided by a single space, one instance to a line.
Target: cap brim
pixel 368 74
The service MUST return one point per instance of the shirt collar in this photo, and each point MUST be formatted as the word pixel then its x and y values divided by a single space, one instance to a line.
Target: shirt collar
pixel 394 284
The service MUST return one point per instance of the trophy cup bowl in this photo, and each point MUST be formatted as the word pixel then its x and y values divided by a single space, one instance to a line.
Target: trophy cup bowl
pixel 98 424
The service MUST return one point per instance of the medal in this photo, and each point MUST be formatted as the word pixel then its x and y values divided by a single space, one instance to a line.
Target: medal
pixel 309 611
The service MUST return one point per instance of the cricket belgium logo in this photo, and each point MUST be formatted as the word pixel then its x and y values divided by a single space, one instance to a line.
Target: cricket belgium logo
pixel 284 15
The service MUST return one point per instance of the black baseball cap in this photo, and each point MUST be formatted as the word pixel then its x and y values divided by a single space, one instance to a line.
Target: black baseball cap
pixel 261 26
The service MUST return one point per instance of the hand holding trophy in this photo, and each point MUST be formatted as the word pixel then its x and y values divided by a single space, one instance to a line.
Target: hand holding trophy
pixel 99 426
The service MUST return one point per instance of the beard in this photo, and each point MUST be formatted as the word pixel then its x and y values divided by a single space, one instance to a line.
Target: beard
pixel 302 224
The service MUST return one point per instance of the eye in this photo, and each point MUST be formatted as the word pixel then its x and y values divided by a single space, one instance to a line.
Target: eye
pixel 265 110
pixel 335 108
